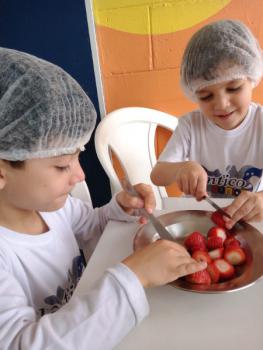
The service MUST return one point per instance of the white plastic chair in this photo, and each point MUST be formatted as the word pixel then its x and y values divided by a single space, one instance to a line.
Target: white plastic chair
pixel 130 133
pixel 81 191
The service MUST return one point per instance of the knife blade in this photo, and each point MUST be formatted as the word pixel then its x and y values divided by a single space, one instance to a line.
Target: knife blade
pixel 215 206
pixel 159 227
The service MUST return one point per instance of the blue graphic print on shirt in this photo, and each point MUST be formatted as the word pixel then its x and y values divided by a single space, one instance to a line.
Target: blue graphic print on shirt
pixel 232 182
pixel 54 302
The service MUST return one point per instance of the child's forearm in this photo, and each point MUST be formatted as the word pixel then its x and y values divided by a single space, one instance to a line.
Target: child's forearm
pixel 164 173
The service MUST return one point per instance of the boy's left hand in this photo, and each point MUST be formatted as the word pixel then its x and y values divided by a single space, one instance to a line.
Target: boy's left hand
pixel 248 206
pixel 130 203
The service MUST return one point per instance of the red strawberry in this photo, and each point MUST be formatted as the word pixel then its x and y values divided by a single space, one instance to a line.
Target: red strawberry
pixel 235 255
pixel 217 231
pixel 227 271
pixel 214 242
pixel 200 255
pixel 213 272
pixel 217 218
pixel 197 247
pixel 216 253
pixel 231 241
pixel 200 277
pixel 196 240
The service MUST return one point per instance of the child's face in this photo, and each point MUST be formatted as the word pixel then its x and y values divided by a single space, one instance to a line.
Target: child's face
pixel 42 184
pixel 226 103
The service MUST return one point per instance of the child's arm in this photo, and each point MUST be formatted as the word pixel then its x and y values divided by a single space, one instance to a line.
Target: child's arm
pixel 98 318
pixel 190 177
pixel 248 206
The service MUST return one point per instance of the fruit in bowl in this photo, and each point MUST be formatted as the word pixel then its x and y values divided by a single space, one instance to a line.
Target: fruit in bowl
pixel 219 249
pixel 181 224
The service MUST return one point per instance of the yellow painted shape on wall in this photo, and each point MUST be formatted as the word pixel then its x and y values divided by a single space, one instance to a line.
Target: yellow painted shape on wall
pixel 152 16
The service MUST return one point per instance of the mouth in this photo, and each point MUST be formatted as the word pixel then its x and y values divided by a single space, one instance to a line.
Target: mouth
pixel 225 115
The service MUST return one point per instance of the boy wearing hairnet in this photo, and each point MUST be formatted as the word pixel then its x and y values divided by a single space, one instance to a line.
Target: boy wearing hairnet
pixel 217 149
pixel 45 121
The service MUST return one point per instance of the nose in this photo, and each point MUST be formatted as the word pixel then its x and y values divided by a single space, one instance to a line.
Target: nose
pixel 78 174
pixel 222 102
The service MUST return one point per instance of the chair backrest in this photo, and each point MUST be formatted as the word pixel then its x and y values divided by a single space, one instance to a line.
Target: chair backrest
pixel 81 191
pixel 130 133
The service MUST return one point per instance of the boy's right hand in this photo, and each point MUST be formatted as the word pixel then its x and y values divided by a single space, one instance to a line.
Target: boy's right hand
pixel 191 179
pixel 162 262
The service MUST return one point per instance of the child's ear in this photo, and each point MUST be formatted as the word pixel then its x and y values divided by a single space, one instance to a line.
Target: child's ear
pixel 2 174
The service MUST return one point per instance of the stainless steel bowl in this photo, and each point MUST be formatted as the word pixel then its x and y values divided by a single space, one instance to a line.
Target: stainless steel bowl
pixel 181 223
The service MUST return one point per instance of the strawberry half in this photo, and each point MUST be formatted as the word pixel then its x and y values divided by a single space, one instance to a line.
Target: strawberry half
pixel 235 255
pixel 213 272
pixel 214 243
pixel 200 255
pixel 216 253
pixel 227 271
pixel 217 218
pixel 231 241
pixel 200 277
pixel 195 241
pixel 217 231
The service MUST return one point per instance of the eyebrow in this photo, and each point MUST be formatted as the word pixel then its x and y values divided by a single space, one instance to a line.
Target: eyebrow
pixel 70 155
pixel 200 92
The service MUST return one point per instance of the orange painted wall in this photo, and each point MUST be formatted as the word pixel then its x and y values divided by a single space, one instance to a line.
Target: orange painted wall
pixel 143 69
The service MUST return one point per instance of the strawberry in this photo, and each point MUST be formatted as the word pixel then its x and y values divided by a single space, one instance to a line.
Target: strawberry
pixel 195 241
pixel 231 241
pixel 227 271
pixel 235 255
pixel 200 255
pixel 213 272
pixel 217 218
pixel 214 242
pixel 216 253
pixel 200 247
pixel 200 277
pixel 217 231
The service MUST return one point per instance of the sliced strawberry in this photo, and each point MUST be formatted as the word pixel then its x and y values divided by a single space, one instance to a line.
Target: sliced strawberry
pixel 227 271
pixel 213 272
pixel 231 241
pixel 200 277
pixel 200 255
pixel 216 253
pixel 214 242
pixel 217 218
pixel 196 240
pixel 235 255
pixel 217 231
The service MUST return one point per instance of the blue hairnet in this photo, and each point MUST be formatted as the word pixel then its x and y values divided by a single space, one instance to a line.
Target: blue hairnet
pixel 43 111
pixel 220 51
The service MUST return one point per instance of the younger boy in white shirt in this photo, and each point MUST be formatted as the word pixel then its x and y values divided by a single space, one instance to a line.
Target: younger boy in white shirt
pixel 217 149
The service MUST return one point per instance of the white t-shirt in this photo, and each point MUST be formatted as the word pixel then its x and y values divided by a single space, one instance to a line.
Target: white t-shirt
pixel 38 274
pixel 233 159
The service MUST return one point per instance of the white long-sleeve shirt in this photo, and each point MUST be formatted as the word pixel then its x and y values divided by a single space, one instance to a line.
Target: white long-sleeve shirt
pixel 38 274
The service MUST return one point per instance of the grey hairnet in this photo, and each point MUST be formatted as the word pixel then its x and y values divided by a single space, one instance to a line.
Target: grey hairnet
pixel 43 111
pixel 220 51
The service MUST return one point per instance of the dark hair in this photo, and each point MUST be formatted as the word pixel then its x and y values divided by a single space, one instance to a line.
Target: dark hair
pixel 17 164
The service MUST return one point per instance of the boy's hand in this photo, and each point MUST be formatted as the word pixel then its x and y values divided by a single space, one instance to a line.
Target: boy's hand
pixel 130 203
pixel 248 206
pixel 162 262
pixel 192 179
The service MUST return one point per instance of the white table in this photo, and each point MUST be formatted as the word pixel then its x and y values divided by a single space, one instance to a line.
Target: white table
pixel 181 320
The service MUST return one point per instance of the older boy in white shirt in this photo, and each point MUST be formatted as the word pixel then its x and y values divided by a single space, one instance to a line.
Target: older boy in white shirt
pixel 45 121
